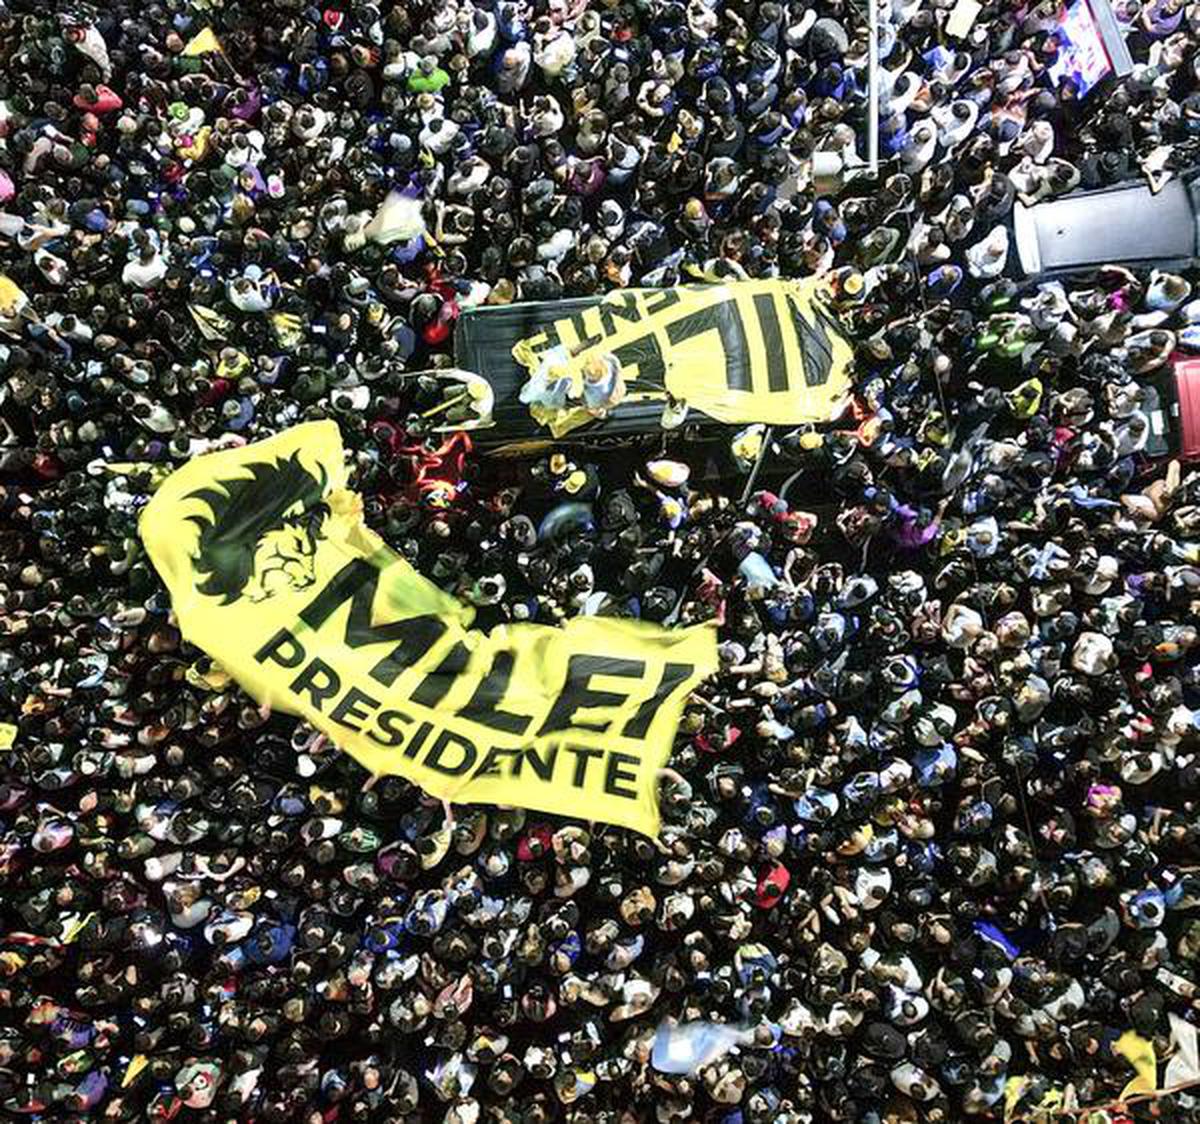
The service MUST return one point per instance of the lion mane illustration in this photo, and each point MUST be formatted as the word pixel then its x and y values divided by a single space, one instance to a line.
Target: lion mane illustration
pixel 262 532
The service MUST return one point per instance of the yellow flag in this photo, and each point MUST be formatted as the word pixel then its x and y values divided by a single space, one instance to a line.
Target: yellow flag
pixel 273 573
pixel 1047 1108
pixel 740 352
pixel 203 43
pixel 1013 1088
pixel 136 1064
pixel 12 297
pixel 74 927
pixel 1140 1054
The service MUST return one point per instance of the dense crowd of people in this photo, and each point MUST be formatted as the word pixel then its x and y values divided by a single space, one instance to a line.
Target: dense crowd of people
pixel 932 827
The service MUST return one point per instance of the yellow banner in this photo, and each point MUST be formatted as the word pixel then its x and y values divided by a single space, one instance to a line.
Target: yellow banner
pixel 1140 1054
pixel 741 352
pixel 273 573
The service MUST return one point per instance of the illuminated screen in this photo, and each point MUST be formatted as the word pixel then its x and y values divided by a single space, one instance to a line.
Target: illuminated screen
pixel 1082 56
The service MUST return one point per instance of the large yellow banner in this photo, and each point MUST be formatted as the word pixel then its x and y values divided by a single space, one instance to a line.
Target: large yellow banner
pixel 745 351
pixel 273 573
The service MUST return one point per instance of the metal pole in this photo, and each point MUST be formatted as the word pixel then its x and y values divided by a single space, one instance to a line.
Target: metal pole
pixel 873 95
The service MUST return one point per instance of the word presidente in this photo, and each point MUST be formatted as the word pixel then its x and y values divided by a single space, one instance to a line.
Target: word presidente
pixel 387 721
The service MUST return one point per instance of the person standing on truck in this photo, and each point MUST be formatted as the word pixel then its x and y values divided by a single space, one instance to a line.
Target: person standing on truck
pixel 603 386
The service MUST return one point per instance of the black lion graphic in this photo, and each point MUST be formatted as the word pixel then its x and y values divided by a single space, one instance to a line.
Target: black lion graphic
pixel 263 532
